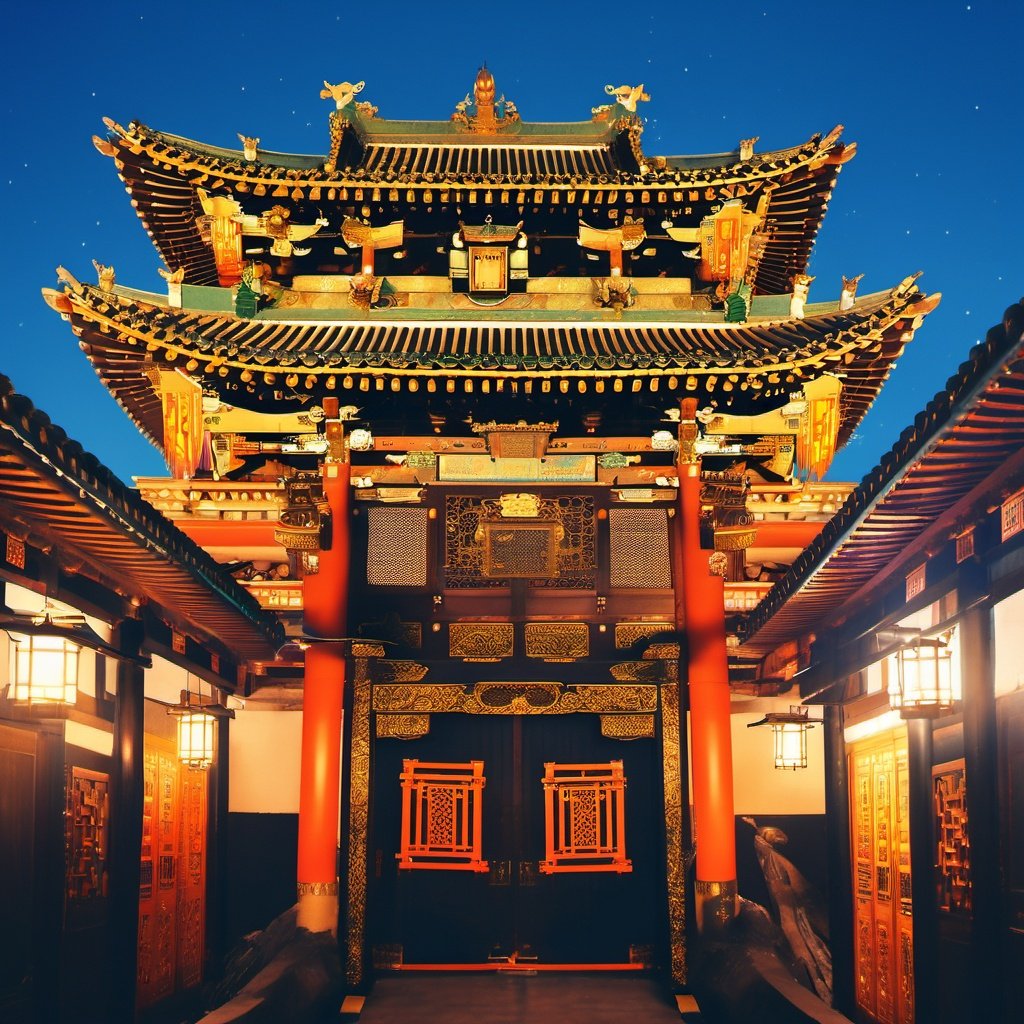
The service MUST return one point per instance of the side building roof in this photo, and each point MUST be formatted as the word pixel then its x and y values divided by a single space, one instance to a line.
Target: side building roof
pixel 971 433
pixel 67 498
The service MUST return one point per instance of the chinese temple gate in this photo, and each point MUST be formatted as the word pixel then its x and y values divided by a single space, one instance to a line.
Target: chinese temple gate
pixel 508 422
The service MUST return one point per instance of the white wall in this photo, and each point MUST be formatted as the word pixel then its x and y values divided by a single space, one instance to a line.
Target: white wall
pixel 758 786
pixel 264 751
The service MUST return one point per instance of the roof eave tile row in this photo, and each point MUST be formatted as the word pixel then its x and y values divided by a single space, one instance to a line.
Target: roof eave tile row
pixel 124 336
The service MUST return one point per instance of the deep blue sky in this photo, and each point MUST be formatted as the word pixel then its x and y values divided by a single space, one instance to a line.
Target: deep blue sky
pixel 930 92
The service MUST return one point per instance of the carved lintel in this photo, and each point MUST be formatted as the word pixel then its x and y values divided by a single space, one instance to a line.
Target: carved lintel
pixel 514 698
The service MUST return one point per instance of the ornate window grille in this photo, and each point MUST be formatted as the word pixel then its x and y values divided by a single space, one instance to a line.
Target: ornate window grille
pixel 442 819
pixel 585 823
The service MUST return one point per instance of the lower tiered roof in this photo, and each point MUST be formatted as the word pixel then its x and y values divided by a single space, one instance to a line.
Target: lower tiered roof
pixel 392 362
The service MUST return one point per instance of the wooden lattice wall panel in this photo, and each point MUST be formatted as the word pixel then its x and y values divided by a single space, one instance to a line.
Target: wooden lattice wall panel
pixel 585 818
pixel 880 833
pixel 442 815
pixel 397 547
pixel 639 548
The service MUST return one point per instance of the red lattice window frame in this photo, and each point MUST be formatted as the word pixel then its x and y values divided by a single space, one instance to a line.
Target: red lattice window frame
pixel 585 818
pixel 442 816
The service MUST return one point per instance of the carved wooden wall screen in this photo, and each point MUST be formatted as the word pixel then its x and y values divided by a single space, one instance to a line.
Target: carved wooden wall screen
pixel 442 815
pixel 585 825
pixel 883 923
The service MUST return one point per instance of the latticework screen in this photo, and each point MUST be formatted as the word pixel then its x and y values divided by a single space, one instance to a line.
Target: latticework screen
pixel 397 547
pixel 585 818
pixel 639 548
pixel 442 815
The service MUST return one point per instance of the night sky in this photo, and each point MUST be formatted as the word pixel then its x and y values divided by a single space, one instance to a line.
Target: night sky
pixel 930 92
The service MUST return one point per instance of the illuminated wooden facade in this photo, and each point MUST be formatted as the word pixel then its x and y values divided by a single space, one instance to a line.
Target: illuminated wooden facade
pixel 926 809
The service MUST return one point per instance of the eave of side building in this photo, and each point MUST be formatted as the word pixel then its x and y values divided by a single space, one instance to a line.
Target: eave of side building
pixel 963 452
pixel 63 499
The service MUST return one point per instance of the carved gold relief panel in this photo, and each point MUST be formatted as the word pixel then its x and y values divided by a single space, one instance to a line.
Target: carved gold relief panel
pixel 526 698
pixel 557 640
pixel 480 640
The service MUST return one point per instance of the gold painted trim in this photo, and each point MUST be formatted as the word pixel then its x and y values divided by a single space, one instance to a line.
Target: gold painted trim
pixel 316 889
pixel 514 698
pixel 675 880
pixel 358 822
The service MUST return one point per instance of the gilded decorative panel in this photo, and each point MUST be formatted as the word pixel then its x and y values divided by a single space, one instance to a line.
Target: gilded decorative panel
pixel 514 698
pixel 569 521
pixel 627 633
pixel 402 727
pixel 638 671
pixel 675 881
pixel 358 823
pixel 557 639
pixel 480 640
pixel 627 727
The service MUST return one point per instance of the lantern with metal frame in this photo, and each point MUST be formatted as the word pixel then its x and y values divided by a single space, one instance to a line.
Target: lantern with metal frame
pixel 924 678
pixel 45 669
pixel 45 654
pixel 197 720
pixel 789 733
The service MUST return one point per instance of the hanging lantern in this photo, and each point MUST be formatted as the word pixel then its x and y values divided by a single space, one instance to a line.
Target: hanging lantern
pixel 789 736
pixel 924 679
pixel 195 738
pixel 45 669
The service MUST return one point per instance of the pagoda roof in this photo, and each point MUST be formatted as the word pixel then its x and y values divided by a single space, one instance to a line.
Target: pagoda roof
pixel 280 360
pixel 396 162
pixel 70 501
pixel 969 439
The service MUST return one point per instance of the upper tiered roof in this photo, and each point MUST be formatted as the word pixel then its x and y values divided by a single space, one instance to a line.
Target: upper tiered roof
pixel 427 173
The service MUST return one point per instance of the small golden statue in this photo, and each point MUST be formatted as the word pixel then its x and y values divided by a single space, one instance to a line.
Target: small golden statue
pixel 628 96
pixel 106 276
pixel 250 146
pixel 343 93
pixel 801 286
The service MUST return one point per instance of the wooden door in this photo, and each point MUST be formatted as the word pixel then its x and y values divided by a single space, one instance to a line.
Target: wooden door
pixel 880 831
pixel 514 909
pixel 173 874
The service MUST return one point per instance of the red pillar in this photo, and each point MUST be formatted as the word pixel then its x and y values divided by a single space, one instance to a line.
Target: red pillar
pixel 325 600
pixel 703 619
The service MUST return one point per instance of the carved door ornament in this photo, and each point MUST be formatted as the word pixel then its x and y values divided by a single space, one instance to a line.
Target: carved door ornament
pixel 442 816
pixel 585 824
